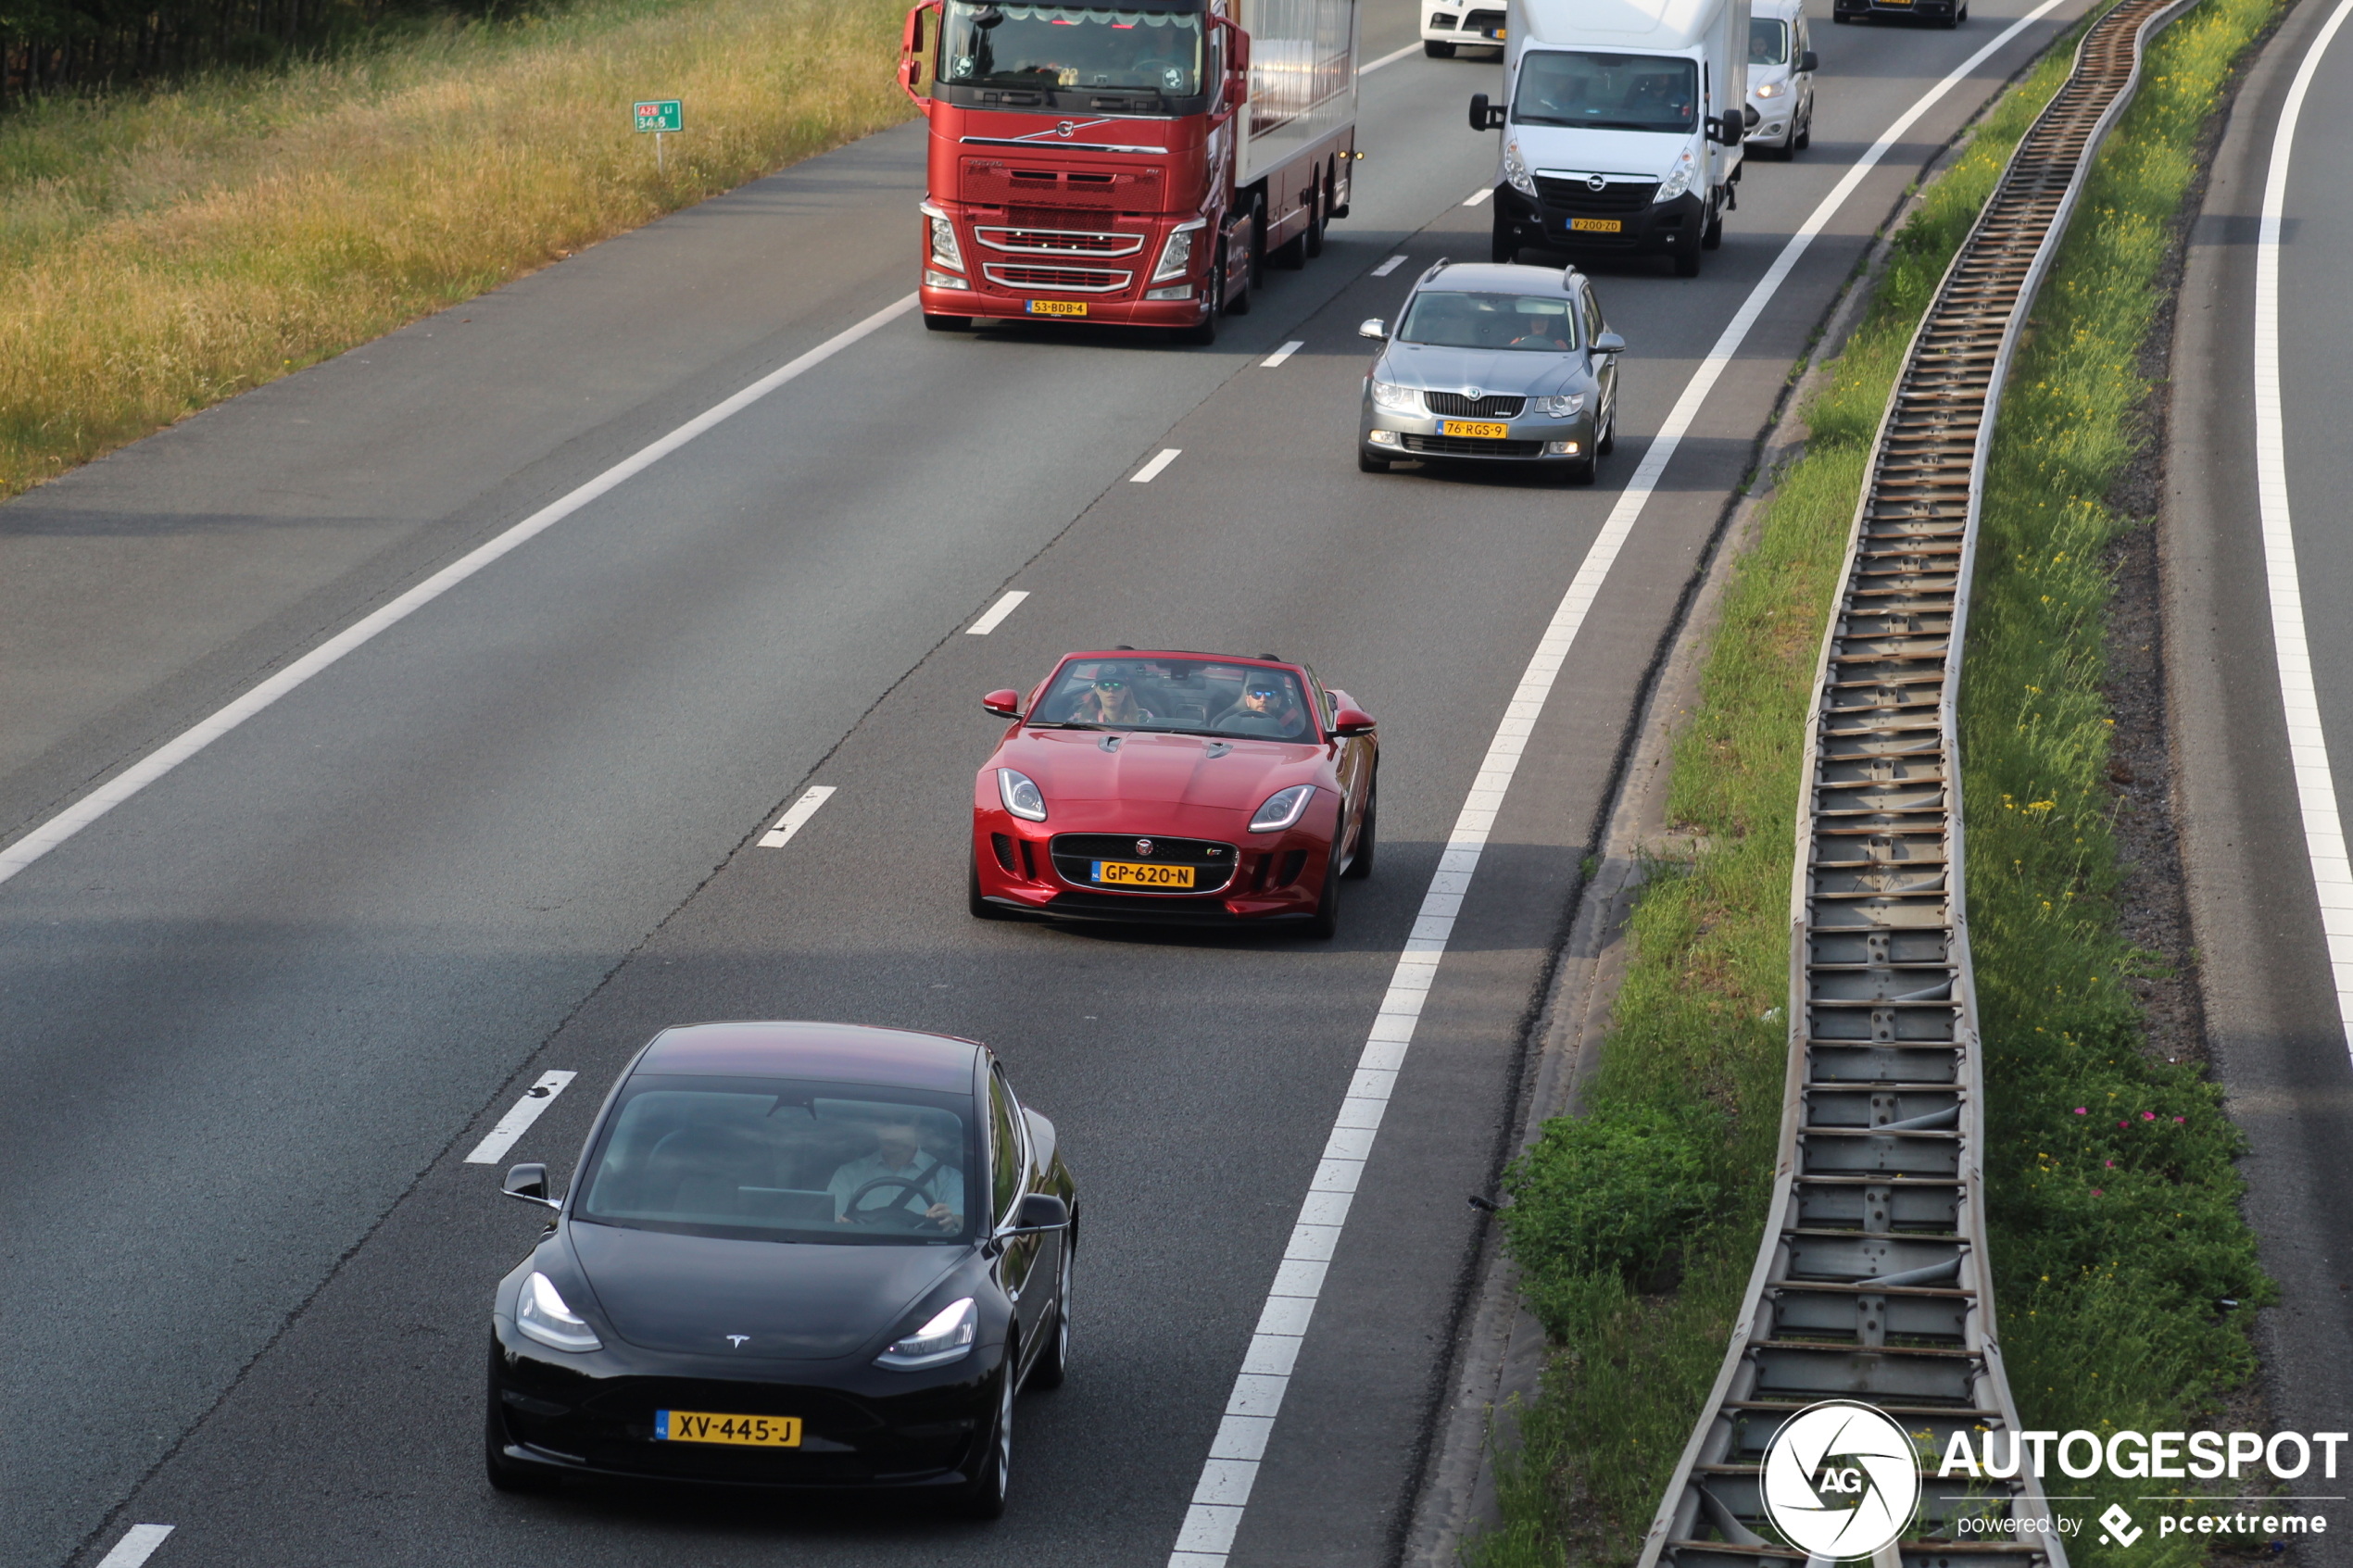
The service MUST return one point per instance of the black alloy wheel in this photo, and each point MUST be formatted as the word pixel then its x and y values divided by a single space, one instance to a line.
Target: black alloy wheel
pixel 1053 1361
pixel 1436 50
pixel 1360 865
pixel 985 1497
pixel 1325 923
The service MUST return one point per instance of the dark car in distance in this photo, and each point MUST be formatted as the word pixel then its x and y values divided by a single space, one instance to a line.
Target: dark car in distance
pixel 816 1256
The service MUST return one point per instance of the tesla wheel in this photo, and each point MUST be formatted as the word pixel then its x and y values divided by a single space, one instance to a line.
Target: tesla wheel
pixel 981 908
pixel 1360 865
pixel 1325 923
pixel 1436 50
pixel 987 1497
pixel 946 323
pixel 1053 1361
pixel 1368 463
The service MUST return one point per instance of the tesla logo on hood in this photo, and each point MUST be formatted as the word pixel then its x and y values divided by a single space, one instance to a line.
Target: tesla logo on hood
pixel 1143 847
pixel 738 1341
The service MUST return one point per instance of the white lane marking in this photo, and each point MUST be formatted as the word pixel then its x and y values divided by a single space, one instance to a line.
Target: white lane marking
pixel 1386 268
pixel 1280 355
pixel 1150 471
pixel 1223 1494
pixel 516 1122
pixel 997 613
pixel 1389 59
pixel 156 763
pixel 137 1545
pixel 1476 197
pixel 2308 747
pixel 796 817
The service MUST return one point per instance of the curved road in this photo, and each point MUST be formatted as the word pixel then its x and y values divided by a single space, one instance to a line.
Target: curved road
pixel 254 1019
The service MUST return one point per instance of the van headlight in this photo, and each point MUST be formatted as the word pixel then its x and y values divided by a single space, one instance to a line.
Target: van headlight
pixel 1515 170
pixel 1397 399
pixel 1566 406
pixel 1770 89
pixel 1176 255
pixel 1679 178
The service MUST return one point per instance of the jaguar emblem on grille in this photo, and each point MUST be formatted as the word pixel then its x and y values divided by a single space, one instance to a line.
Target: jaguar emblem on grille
pixel 1592 182
pixel 1143 847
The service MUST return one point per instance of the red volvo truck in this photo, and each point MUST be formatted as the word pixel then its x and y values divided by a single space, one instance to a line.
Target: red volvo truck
pixel 1139 162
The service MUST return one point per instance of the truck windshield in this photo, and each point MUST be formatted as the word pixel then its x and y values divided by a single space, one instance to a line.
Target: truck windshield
pixel 1607 91
pixel 1066 46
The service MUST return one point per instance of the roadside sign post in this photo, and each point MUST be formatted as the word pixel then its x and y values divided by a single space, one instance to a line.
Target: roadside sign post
pixel 659 115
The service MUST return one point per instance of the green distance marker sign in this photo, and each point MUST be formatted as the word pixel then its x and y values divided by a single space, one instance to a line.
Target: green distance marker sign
pixel 660 114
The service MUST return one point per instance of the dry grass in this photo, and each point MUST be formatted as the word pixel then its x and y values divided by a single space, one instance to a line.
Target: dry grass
pixel 159 254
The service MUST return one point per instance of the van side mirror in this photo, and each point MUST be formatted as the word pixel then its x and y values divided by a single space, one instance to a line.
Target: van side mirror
pixel 1352 721
pixel 1608 343
pixel 1038 1212
pixel 1375 328
pixel 529 1183
pixel 1808 61
pixel 1005 704
pixel 1727 130
pixel 1485 116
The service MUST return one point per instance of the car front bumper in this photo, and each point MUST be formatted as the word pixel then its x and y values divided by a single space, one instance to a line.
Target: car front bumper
pixel 1533 438
pixel 1277 876
pixel 1669 226
pixel 1937 10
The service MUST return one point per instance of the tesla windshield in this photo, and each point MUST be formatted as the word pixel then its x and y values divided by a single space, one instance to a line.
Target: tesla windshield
pixel 1199 696
pixel 1068 46
pixel 1607 91
pixel 769 1160
pixel 1460 319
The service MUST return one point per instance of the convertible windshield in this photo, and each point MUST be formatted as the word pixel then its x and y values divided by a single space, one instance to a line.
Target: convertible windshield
pixel 771 1159
pixel 1198 696
pixel 1458 319
pixel 1607 91
pixel 1068 46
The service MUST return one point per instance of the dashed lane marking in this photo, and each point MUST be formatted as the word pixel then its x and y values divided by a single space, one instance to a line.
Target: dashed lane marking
pixel 516 1122
pixel 137 1545
pixel 1389 59
pixel 1150 471
pixel 1476 197
pixel 797 817
pixel 1386 268
pixel 1280 355
pixel 997 613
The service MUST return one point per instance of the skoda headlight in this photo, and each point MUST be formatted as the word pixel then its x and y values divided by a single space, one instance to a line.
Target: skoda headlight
pixel 541 1314
pixel 1770 89
pixel 1020 795
pixel 948 1336
pixel 1397 399
pixel 943 239
pixel 1282 808
pixel 1176 255
pixel 1515 170
pixel 1679 178
pixel 1566 405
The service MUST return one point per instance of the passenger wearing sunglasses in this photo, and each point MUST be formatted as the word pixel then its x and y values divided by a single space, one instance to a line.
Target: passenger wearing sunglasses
pixel 1267 707
pixel 1109 700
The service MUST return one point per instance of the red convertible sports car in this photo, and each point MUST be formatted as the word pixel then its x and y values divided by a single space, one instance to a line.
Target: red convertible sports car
pixel 1176 787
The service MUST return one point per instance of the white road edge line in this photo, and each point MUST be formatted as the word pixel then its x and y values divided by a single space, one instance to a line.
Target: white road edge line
pixel 2308 747
pixel 1478 196
pixel 1223 1494
pixel 1150 471
pixel 137 1545
pixel 796 817
pixel 1389 59
pixel 995 616
pixel 1280 355
pixel 1386 268
pixel 516 1122
pixel 161 760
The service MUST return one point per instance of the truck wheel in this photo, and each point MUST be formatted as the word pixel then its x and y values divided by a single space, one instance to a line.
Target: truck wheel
pixel 1436 50
pixel 946 323
pixel 1506 248
pixel 1687 263
pixel 1204 332
pixel 1239 304
pixel 1317 206
pixel 1712 237
pixel 1257 243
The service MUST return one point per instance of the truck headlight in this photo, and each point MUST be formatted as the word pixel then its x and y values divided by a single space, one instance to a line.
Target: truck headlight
pixel 1176 255
pixel 1567 405
pixel 1679 178
pixel 944 251
pixel 1515 170
pixel 1397 399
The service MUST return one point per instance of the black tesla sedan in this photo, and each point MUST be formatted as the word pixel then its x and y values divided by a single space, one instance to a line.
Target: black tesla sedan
pixel 801 1255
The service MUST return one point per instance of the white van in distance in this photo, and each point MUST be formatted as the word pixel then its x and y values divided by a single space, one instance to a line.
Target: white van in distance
pixel 1622 123
pixel 1781 78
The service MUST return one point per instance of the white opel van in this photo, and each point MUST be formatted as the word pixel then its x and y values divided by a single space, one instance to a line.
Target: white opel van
pixel 1622 123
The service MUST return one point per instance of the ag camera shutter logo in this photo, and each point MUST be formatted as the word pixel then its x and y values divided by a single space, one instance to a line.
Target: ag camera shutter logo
pixel 1841 1480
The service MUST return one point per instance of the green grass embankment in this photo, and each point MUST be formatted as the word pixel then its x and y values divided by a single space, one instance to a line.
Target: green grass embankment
pixel 160 252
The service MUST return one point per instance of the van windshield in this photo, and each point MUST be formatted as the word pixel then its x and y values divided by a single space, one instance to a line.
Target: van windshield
pixel 1768 41
pixel 1072 47
pixel 1607 91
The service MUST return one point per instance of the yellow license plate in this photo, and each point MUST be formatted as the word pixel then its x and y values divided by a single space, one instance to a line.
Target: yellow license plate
pixel 748 1430
pixel 1128 873
pixel 1479 428
pixel 1058 307
pixel 1596 225
pixel 1497 35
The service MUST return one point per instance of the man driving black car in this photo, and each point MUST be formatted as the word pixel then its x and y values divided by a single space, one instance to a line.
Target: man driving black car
pixel 903 1177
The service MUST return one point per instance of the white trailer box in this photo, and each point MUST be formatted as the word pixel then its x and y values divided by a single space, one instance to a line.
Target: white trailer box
pixel 1622 122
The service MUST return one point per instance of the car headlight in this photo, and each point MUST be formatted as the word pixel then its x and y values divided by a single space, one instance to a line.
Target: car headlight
pixel 1022 797
pixel 948 1336
pixel 1770 89
pixel 944 252
pixel 1515 170
pixel 1397 399
pixel 1282 808
pixel 1176 255
pixel 541 1314
pixel 1566 405
pixel 1679 178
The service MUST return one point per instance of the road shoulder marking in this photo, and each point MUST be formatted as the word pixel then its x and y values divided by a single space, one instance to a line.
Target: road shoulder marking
pixel 995 615
pixel 796 817
pixel 1150 471
pixel 137 1545
pixel 517 1121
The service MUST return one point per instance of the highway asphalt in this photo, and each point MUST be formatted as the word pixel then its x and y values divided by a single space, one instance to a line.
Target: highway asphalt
pixel 254 1019
pixel 2272 1008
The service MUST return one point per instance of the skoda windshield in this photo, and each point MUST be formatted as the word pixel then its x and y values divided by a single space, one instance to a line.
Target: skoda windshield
pixel 1607 91
pixel 1463 319
pixel 1064 55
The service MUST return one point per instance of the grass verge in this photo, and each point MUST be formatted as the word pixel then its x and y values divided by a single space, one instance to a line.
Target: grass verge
pixel 160 252
pixel 1696 1043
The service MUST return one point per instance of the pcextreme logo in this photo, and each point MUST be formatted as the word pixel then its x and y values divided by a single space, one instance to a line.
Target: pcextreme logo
pixel 1841 1480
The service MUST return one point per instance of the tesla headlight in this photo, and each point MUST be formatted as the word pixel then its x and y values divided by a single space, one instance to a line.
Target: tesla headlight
pixel 944 252
pixel 1770 89
pixel 1515 170
pixel 541 1314
pixel 948 1336
pixel 1566 405
pixel 1176 255
pixel 1020 795
pixel 1679 178
pixel 1397 399
pixel 1282 808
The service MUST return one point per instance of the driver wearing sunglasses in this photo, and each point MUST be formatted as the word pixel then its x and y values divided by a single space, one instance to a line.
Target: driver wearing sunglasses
pixel 1109 699
pixel 1265 707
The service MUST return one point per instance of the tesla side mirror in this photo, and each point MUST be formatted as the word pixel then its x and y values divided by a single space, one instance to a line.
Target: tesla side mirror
pixel 1808 61
pixel 1608 343
pixel 529 1182
pixel 1375 328
pixel 1038 1212
pixel 1005 704
pixel 1352 721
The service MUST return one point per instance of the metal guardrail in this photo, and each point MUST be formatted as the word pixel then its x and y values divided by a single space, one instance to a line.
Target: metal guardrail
pixel 1873 1283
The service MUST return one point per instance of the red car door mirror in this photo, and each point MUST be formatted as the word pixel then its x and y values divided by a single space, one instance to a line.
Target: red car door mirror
pixel 1005 704
pixel 1352 722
